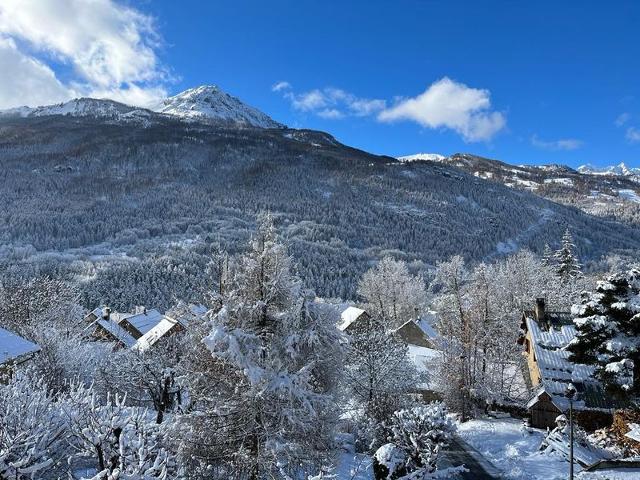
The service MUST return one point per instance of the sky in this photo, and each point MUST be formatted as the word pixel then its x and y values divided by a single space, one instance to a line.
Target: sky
pixel 523 82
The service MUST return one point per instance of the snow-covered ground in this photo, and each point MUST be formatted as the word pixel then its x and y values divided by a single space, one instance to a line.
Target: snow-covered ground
pixel 514 450
pixel 354 466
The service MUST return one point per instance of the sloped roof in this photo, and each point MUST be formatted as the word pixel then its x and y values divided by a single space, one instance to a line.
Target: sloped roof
pixel 117 332
pixel 556 371
pixel 156 333
pixel 13 346
pixel 143 321
pixel 412 333
pixel 348 316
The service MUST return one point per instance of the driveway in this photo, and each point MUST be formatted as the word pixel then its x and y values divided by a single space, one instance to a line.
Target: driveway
pixel 460 452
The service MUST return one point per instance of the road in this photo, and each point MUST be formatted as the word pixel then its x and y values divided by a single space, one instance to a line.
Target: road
pixel 461 453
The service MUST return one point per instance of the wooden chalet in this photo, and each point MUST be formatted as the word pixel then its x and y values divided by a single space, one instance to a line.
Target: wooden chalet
pixel 545 336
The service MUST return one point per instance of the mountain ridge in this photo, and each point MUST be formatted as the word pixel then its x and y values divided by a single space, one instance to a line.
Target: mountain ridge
pixel 206 103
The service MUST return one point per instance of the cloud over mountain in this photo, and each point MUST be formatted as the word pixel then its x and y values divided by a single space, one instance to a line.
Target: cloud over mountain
pixel 103 48
pixel 452 105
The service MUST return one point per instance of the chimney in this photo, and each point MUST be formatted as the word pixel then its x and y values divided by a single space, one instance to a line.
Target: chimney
pixel 106 313
pixel 539 311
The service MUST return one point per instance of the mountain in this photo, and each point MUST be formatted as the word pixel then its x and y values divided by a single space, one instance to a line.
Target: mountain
pixel 610 193
pixel 209 103
pixel 616 170
pixel 433 157
pixel 201 104
pixel 135 211
pixel 84 107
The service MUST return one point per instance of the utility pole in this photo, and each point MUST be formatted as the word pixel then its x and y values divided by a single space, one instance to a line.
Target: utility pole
pixel 570 393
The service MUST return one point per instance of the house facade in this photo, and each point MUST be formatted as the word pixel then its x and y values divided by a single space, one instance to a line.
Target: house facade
pixel 545 336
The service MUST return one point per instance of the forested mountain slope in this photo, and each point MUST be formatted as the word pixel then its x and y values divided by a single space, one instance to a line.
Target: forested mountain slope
pixel 99 193
pixel 612 192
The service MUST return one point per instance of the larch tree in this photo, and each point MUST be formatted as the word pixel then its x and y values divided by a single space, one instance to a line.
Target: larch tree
pixel 391 293
pixel 273 415
pixel 608 332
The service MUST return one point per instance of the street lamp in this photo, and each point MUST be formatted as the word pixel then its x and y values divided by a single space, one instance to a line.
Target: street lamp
pixel 570 392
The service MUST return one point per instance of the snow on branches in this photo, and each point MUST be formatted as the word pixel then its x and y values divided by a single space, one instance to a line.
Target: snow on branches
pixel 608 331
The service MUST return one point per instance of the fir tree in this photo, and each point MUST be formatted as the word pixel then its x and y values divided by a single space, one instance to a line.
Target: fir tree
pixel 548 259
pixel 608 331
pixel 566 259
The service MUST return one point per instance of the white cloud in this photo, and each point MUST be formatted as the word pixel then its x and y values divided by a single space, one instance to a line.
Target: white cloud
pixel 330 113
pixel 279 86
pixel 622 119
pixel 27 81
pixel 330 102
pixel 633 134
pixel 110 48
pixel 452 105
pixel 562 144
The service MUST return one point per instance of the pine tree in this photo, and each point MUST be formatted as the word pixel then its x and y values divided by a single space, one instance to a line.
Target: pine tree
pixel 608 331
pixel 548 258
pixel 566 259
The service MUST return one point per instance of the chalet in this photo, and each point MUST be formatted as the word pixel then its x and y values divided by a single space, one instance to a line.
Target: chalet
pixel 353 319
pixel 141 329
pixel 163 329
pixel 418 332
pixel 14 350
pixel 545 336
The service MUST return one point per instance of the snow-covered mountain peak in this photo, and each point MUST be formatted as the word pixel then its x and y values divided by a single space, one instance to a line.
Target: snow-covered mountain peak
pixel 620 169
pixel 208 102
pixel 433 157
pixel 79 107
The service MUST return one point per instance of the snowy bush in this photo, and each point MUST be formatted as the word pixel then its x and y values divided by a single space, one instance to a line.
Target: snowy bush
pixel 122 442
pixel 418 434
pixel 32 429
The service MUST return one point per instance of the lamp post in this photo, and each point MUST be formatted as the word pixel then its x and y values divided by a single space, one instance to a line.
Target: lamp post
pixel 570 392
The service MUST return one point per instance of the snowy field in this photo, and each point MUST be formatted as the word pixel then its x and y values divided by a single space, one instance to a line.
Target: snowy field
pixel 514 450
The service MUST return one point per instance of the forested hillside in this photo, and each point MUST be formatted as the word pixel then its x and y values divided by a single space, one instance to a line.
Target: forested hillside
pixel 137 208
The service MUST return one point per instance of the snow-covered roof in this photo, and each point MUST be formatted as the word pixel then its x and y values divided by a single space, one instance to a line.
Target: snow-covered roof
pixel 348 316
pixel 549 348
pixel 156 333
pixel 13 346
pixel 426 326
pixel 556 371
pixel 117 331
pixel 144 321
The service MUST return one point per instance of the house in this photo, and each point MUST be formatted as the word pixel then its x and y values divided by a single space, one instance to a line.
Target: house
pixel 141 329
pixel 419 332
pixel 163 329
pixel 545 336
pixel 353 319
pixel 14 350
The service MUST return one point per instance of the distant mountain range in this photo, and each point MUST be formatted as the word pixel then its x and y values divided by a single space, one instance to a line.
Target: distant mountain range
pixel 620 169
pixel 612 192
pixel 206 103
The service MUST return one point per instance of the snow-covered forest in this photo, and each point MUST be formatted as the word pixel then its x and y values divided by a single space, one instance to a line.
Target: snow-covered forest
pixel 133 213
pixel 263 385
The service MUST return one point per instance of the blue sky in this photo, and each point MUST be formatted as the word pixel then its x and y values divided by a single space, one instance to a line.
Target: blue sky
pixel 524 82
